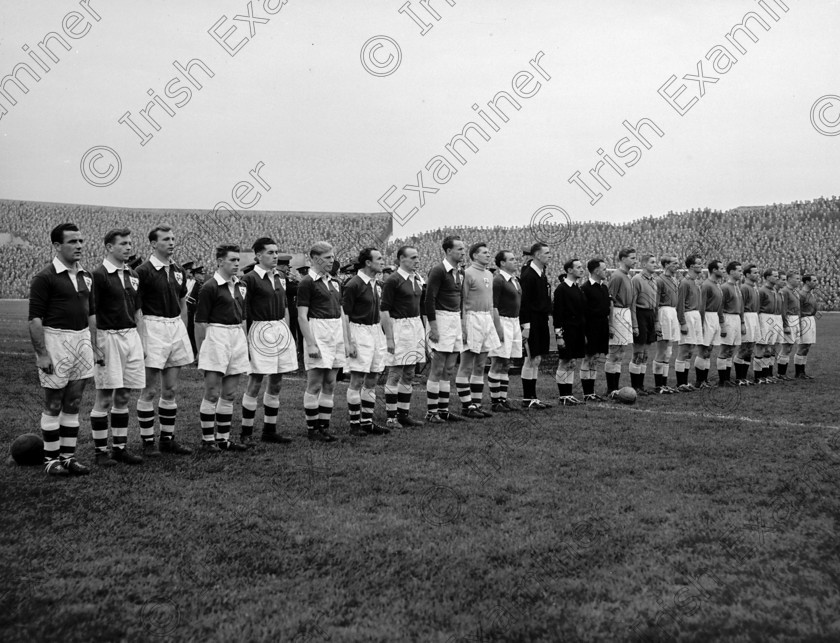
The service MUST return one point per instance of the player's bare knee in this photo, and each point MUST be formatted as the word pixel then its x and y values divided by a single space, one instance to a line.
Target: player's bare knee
pixel 120 398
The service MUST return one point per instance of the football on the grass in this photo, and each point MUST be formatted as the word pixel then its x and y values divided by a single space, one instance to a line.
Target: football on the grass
pixel 28 449
pixel 626 395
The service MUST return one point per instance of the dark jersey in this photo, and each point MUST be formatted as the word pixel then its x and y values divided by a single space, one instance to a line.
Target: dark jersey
pixel 216 304
pixel 117 298
pixel 58 303
pixel 264 301
pixel 360 301
pixel 322 297
pixel 507 295
pixel 161 295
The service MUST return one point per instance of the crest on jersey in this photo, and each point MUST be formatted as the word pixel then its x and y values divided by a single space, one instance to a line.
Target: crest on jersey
pixel 88 281
pixel 378 290
pixel 486 282
pixel 335 284
pixel 179 277
pixel 242 290
pixel 134 281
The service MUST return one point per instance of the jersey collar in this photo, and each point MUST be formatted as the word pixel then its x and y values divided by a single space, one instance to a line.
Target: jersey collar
pixel 60 267
pixel 535 268
pixel 157 263
pixel 221 280
pixel 110 268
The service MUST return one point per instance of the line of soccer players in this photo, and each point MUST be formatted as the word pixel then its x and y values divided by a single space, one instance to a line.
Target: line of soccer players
pixel 126 329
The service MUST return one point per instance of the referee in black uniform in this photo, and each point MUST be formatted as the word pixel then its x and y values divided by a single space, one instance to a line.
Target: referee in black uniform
pixel 569 326
pixel 598 311
pixel 533 316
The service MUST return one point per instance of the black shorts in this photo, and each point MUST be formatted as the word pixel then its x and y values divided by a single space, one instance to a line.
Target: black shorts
pixel 598 339
pixel 539 337
pixel 646 320
pixel 574 341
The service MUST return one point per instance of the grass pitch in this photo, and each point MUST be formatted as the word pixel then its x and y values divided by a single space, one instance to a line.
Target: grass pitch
pixel 709 516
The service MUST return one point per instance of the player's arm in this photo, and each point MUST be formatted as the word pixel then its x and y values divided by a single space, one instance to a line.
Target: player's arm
pixel 785 324
pixel 527 285
pixel 497 318
pixel 385 307
pixel 635 290
pixel 557 315
pixel 202 313
pixel 39 299
pixel 682 294
pixel 141 328
pixel 348 300
pixel 98 355
pixel 432 288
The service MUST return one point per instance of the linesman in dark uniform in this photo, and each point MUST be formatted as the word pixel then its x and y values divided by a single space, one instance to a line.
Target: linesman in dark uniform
pixel 62 325
pixel 569 324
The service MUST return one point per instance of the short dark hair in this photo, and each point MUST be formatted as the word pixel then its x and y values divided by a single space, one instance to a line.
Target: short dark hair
pixel 449 242
pixel 153 233
pixel 782 273
pixel 569 265
pixel 732 265
pixel 714 264
pixel 223 250
pixel 57 233
pixel 593 264
pixel 749 268
pixel 402 250
pixel 768 272
pixel 625 252
pixel 666 259
pixel 645 258
pixel 792 272
pixel 476 247
pixel 501 257
pixel 807 277
pixel 112 235
pixel 690 260
pixel 261 243
pixel 539 245
pixel 365 255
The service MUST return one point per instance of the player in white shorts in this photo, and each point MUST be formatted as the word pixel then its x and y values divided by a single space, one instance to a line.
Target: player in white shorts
pixel 119 327
pixel 163 297
pixel 366 343
pixel 770 326
pixel 401 309
pixel 222 349
pixel 711 303
pixel 324 329
pixel 446 329
pixel 61 324
pixel 668 326
pixel 507 298
pixel 482 330
pixel 790 296
pixel 691 322
pixel 752 333
pixel 733 328
pixel 622 319
pixel 807 325
pixel 270 342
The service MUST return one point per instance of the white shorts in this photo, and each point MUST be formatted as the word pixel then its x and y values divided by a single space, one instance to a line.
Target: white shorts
pixel 450 333
pixel 124 364
pixel 808 330
pixel 770 329
pixel 329 337
pixel 753 330
pixel 621 325
pixel 793 336
pixel 711 330
pixel 71 354
pixel 511 345
pixel 272 348
pixel 409 342
pixel 481 332
pixel 167 342
pixel 224 350
pixel 370 348
pixel 695 328
pixel 669 324
pixel 732 326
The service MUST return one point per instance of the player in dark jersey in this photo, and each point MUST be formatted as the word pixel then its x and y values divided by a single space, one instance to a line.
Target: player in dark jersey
pixel 807 325
pixel 119 328
pixel 691 321
pixel 791 310
pixel 752 332
pixel 645 313
pixel 598 313
pixel 668 326
pixel 507 298
pixel 62 327
pixel 569 322
pixel 623 322
pixel 533 316
pixel 733 328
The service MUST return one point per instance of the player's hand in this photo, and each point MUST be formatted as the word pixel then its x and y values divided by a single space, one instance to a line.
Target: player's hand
pixel 314 352
pixel 787 331
pixel 612 334
pixel 352 351
pixel 561 342
pixel 635 332
pixel 525 333
pixel 389 343
pixel 45 364
pixel 434 336
pixel 743 328
pixel 723 333
pixel 684 329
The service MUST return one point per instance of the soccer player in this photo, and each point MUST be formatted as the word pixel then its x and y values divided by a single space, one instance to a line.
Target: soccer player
pixel 118 318
pixel 790 295
pixel 507 298
pixel 481 331
pixel 668 326
pixel 367 346
pixel 711 310
pixel 569 323
pixel 733 328
pixel 163 295
pixel 598 313
pixel 752 332
pixel 270 340
pixel 622 320
pixel 533 317
pixel 324 328
pixel 222 349
pixel 446 327
pixel 645 314
pixel 401 315
pixel 62 327
pixel 770 327
pixel 807 325
pixel 691 322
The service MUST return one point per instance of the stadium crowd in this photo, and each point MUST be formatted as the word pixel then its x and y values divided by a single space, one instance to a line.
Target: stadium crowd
pixel 803 235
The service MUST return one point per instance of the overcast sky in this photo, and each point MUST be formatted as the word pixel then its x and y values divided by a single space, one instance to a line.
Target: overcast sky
pixel 332 136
